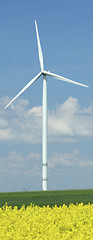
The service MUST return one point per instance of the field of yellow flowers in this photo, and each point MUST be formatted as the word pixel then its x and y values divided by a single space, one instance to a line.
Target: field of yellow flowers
pixel 71 222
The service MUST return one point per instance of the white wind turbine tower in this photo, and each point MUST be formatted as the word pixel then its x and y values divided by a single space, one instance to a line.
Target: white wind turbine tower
pixel 44 127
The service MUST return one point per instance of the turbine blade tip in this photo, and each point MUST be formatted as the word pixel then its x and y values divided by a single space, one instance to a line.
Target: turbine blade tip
pixel 35 22
pixel 5 107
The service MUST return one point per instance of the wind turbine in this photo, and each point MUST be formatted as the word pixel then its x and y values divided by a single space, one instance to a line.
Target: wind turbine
pixel 44 127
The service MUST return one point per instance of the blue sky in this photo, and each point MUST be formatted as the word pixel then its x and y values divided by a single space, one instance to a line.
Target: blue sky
pixel 66 34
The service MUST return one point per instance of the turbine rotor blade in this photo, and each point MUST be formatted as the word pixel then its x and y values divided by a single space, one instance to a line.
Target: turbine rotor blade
pixel 23 89
pixel 63 78
pixel 39 48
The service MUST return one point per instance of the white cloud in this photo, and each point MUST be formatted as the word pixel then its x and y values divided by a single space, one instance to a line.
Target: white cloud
pixel 7 134
pixel 66 159
pixel 36 111
pixel 68 120
pixel 69 160
pixel 33 171
pixel 85 163
pixel 17 163
pixel 32 155
pixel 3 123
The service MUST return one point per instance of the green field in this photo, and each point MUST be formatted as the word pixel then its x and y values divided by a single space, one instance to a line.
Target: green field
pixel 46 198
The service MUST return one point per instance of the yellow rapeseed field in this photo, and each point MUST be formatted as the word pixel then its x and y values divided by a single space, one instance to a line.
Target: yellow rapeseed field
pixel 67 223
